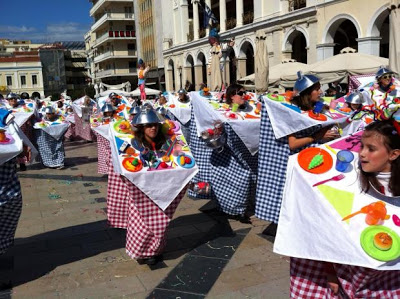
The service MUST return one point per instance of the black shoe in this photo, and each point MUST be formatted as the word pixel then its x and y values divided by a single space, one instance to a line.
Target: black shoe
pixel 270 230
pixel 148 261
pixel 241 218
pixel 22 167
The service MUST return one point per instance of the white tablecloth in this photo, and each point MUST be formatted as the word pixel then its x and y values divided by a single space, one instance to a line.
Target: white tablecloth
pixel 56 131
pixel 103 130
pixel 286 121
pixel 161 186
pixel 205 116
pixel 310 223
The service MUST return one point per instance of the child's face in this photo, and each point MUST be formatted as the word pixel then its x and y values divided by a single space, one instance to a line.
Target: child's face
pixel 13 102
pixel 355 106
pixel 374 156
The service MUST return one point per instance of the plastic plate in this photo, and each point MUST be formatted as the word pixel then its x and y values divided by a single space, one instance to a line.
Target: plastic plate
pixel 367 243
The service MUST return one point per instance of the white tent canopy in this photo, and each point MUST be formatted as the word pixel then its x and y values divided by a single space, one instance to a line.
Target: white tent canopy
pixel 338 67
pixel 117 91
pixel 149 91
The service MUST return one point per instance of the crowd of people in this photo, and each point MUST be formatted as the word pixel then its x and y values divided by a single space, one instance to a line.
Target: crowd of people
pixel 147 224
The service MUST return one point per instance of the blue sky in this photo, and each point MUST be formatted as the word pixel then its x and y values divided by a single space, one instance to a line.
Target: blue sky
pixel 45 20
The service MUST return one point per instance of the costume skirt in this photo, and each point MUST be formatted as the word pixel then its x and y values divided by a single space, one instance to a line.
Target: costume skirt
pixel 10 204
pixel 103 154
pixel 83 129
pixel 308 280
pixel 117 197
pixel 273 156
pixel 147 223
pixel 51 150
pixel 70 134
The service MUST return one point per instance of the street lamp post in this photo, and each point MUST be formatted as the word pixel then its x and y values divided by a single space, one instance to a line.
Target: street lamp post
pixel 180 76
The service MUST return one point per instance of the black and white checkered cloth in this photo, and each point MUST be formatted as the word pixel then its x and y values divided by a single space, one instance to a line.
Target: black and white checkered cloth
pixel 232 173
pixel 10 203
pixel 51 150
pixel 272 163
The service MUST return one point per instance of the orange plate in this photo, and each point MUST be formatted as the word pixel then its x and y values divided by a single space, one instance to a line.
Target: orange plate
pixel 127 163
pixel 305 156
pixel 318 116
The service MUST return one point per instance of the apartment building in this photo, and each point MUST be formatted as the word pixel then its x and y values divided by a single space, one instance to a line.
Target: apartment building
pixel 111 42
pixel 305 30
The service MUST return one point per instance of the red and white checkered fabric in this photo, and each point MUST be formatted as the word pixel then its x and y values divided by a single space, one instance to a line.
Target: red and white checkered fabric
pixel 147 223
pixel 103 154
pixel 83 130
pixel 27 129
pixel 117 199
pixel 354 82
pixel 308 280
pixel 70 134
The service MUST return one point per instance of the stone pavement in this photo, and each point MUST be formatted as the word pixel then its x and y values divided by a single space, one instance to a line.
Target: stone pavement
pixel 64 248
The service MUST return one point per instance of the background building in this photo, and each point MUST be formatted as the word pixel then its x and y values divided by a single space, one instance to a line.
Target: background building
pixel 305 30
pixel 111 42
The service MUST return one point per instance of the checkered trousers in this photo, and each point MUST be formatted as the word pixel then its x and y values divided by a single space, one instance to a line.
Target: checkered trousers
pixel 70 134
pixel 83 129
pixel 202 156
pixel 308 280
pixel 147 224
pixel 234 175
pixel 117 197
pixel 10 203
pixel 272 163
pixel 51 150
pixel 103 154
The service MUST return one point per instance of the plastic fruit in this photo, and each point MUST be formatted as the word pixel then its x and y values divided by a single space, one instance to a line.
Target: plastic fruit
pixel 187 160
pixel 182 160
pixel 163 165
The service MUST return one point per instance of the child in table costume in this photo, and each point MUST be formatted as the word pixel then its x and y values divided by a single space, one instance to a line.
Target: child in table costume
pixel 274 153
pixel 379 173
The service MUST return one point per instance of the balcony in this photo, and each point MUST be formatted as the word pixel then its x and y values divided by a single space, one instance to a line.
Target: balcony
pixel 248 17
pixel 115 72
pixel 115 35
pixel 114 54
pixel 112 16
pixel 99 4
pixel 230 23
pixel 297 4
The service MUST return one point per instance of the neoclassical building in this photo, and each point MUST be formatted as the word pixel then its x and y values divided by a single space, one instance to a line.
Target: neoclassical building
pixel 305 30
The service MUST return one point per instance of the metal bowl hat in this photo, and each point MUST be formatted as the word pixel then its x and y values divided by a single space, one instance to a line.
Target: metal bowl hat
pixel 24 95
pixel 147 115
pixel 383 71
pixel 134 110
pixel 12 95
pixel 112 95
pixel 107 108
pixel 49 109
pixel 303 82
pixel 355 98
pixel 162 110
pixel 182 91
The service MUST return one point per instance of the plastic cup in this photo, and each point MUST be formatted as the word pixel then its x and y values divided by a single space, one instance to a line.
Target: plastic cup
pixel 344 158
pixel 318 107
pixel 235 107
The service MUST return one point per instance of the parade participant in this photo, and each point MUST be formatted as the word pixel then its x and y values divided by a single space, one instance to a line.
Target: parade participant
pixel 115 99
pixel 13 100
pixel 355 100
pixel 384 89
pixel 10 198
pixel 183 97
pixel 50 149
pixel 162 100
pixel 143 69
pixel 108 112
pixel 274 153
pixel 146 239
pixel 379 174
pixel 235 98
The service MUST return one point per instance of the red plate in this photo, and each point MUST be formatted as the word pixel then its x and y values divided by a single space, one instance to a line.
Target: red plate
pixel 127 163
pixel 318 116
pixel 305 156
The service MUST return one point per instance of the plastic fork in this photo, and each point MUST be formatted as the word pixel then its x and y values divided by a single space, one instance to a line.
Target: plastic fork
pixel 335 178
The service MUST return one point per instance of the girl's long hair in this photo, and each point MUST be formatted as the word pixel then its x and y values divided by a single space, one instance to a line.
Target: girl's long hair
pixel 231 91
pixel 158 141
pixel 391 140
pixel 303 100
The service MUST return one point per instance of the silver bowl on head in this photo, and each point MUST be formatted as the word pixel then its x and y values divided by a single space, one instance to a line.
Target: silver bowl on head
pixel 107 108
pixel 303 82
pixel 134 110
pixel 147 115
pixel 161 110
pixel 383 71
pixel 355 98
pixel 49 109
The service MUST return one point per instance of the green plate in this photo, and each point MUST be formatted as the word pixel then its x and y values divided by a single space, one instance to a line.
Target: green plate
pixel 367 243
pixel 276 97
pixel 116 127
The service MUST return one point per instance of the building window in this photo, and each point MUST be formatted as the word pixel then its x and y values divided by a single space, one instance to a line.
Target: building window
pixel 132 65
pixel 129 27
pixel 131 47
pixel 23 80
pixel 9 81
pixel 34 79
